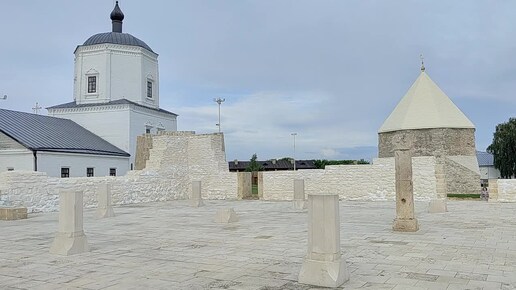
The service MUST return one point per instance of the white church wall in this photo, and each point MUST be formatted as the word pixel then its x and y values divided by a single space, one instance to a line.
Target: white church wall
pixel 91 62
pixel 110 122
pixel 122 73
pixel 17 159
pixel 150 72
pixel 52 162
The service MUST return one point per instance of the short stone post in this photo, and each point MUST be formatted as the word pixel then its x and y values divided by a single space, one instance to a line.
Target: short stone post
pixel 104 208
pixel 323 265
pixel 299 194
pixel 70 239
pixel 405 220
pixel 196 199
pixel 439 204
pixel 493 190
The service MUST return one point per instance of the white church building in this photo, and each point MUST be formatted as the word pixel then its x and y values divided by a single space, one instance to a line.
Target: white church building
pixel 115 99
pixel 116 89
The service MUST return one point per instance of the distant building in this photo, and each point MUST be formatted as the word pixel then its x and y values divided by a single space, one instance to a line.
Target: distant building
pixel 273 165
pixel 59 147
pixel 486 165
pixel 430 124
pixel 116 88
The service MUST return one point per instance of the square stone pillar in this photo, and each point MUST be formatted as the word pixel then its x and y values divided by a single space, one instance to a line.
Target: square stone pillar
pixel 439 204
pixel 299 194
pixel 405 220
pixel 13 213
pixel 245 187
pixel 70 238
pixel 323 265
pixel 196 198
pixel 104 208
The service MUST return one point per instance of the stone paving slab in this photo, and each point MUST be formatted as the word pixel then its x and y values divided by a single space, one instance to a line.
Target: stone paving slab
pixel 171 245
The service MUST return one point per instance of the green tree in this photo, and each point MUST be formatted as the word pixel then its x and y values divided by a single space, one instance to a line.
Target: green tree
pixel 253 165
pixel 503 148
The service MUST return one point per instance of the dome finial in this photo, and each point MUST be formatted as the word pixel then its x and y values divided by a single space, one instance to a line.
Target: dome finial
pixel 422 62
pixel 116 18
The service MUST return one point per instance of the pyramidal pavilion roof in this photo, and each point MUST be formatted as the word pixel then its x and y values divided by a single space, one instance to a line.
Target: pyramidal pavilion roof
pixel 425 106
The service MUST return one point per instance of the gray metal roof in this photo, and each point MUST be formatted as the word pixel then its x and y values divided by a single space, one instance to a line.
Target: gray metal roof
pixel 116 38
pixel 485 159
pixel 115 102
pixel 44 133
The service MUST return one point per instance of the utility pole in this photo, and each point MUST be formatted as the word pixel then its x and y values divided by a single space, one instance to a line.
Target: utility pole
pixel 219 101
pixel 294 135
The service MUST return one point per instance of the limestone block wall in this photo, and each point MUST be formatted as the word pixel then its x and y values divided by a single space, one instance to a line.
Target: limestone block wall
pixel 175 160
pixel 428 142
pixel 354 182
pixel 461 177
pixel 506 190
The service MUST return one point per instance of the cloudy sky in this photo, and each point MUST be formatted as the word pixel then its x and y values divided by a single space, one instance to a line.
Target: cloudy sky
pixel 331 71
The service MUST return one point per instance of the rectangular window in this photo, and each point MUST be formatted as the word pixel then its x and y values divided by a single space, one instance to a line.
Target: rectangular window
pixel 65 172
pixel 112 171
pixel 92 84
pixel 90 172
pixel 149 89
pixel 147 130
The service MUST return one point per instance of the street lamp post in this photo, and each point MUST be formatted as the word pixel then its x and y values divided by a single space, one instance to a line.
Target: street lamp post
pixel 294 135
pixel 219 101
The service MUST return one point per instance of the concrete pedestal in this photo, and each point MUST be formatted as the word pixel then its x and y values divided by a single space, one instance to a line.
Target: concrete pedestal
pixel 104 208
pixel 13 213
pixel 405 219
pixel 323 265
pixel 437 206
pixel 226 215
pixel 70 239
pixel 196 198
pixel 299 201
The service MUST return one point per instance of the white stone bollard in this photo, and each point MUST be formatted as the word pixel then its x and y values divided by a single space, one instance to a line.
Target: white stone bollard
pixel 104 208
pixel 226 215
pixel 70 239
pixel 299 201
pixel 323 266
pixel 196 198
pixel 405 219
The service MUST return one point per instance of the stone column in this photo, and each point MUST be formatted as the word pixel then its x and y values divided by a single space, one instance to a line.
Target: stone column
pixel 299 194
pixel 196 199
pixel 244 185
pixel 323 265
pixel 70 239
pixel 405 220
pixel 493 190
pixel 439 204
pixel 104 208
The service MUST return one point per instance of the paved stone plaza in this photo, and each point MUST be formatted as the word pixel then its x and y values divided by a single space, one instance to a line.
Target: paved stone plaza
pixel 174 246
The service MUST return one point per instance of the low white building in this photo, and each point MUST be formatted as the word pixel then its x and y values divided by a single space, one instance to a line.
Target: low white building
pixel 59 147
pixel 116 88
pixel 486 165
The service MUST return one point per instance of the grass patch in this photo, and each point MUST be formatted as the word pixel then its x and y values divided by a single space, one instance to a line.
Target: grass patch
pixel 459 195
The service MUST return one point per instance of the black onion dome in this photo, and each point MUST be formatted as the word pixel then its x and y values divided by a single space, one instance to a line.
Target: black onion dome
pixel 116 38
pixel 117 13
